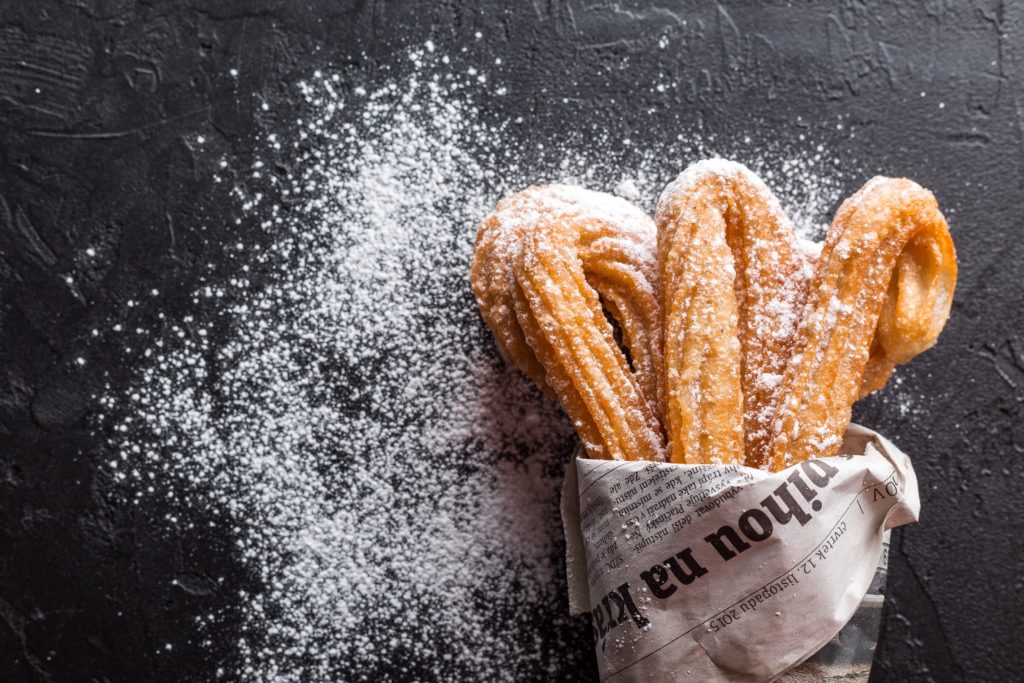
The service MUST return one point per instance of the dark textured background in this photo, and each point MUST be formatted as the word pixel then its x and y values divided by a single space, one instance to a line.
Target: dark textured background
pixel 101 102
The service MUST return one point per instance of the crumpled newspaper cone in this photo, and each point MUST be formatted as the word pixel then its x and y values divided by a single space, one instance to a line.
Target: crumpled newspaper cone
pixel 847 657
pixel 726 573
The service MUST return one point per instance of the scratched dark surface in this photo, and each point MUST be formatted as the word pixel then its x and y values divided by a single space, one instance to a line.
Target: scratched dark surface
pixel 100 104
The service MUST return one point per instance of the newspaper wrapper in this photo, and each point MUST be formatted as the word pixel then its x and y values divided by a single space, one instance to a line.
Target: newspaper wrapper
pixel 727 573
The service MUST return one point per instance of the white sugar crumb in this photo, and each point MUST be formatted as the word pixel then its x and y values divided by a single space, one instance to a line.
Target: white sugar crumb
pixel 391 484
pixel 812 250
pixel 627 189
pixel 899 400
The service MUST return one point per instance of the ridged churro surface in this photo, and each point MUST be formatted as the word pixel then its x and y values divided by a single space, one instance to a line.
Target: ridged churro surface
pixel 712 334
pixel 733 283
pixel 548 265
pixel 881 294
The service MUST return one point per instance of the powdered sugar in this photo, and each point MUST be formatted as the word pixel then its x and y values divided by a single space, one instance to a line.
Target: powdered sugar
pixel 627 189
pixel 556 198
pixel 391 482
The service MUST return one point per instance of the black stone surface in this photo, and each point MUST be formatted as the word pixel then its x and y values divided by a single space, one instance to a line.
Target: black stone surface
pixel 100 102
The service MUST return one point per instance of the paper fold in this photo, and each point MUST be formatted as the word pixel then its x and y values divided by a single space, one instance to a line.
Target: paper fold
pixel 703 572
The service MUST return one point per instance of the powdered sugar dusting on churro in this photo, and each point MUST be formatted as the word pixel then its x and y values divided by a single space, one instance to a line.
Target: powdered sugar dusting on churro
pixel 725 197
pixel 555 270
pixel 391 484
pixel 526 209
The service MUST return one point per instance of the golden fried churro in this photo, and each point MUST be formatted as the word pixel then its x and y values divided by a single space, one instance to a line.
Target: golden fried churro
pixel 492 279
pixel 737 343
pixel 585 366
pixel 733 280
pixel 877 371
pixel 544 264
pixel 881 294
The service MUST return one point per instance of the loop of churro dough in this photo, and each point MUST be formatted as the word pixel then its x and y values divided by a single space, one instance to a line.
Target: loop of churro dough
pixel 739 343
pixel 493 282
pixel 877 371
pixel 546 265
pixel 586 368
pixel 733 280
pixel 881 294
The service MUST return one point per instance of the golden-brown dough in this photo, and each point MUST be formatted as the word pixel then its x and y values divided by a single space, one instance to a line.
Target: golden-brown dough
pixel 877 371
pixel 736 343
pixel 547 264
pixel 493 282
pixel 586 368
pixel 885 279
pixel 733 280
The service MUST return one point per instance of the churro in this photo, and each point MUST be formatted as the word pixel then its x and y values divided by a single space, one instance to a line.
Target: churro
pixel 884 280
pixel 547 266
pixel 733 280
pixel 738 345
